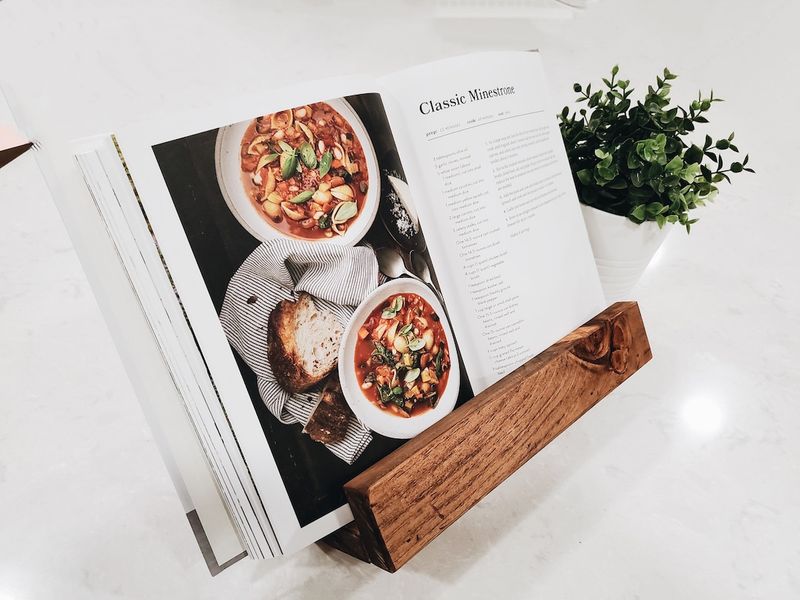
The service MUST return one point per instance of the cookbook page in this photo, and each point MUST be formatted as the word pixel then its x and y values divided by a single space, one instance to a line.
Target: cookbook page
pixel 496 199
pixel 287 226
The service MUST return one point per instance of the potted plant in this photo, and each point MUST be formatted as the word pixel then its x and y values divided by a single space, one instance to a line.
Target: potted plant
pixel 637 171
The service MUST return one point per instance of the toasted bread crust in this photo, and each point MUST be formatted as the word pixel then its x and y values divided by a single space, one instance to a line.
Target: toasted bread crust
pixel 328 422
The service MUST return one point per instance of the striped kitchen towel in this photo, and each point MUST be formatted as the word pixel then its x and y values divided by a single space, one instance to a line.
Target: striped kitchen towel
pixel 338 278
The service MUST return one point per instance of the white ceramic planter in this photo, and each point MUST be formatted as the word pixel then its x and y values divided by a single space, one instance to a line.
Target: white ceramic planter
pixel 622 249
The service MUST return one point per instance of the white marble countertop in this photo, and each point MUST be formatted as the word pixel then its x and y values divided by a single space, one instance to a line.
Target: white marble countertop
pixel 684 483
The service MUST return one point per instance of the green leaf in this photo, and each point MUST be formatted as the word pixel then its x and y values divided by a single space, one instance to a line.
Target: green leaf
pixel 633 161
pixel 618 184
pixel 585 176
pixel 690 173
pixel 675 165
pixel 693 154
pixel 325 164
pixel 604 174
pixel 307 155
pixel 302 197
pixel 288 163
pixel 646 149
pixel 638 212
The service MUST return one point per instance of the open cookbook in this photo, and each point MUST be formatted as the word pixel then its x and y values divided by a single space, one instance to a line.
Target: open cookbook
pixel 327 270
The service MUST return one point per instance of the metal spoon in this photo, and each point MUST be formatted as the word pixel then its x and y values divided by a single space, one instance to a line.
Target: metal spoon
pixel 391 263
pixel 420 266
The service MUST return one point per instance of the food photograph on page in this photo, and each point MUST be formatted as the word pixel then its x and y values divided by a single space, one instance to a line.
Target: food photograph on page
pixel 306 235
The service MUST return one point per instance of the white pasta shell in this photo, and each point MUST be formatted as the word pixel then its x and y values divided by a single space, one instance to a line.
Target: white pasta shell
pixel 342 192
pixel 307 131
pixel 274 120
pixel 289 211
pixel 259 139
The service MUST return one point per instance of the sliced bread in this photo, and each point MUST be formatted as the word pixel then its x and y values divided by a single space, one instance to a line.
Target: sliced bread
pixel 328 422
pixel 302 343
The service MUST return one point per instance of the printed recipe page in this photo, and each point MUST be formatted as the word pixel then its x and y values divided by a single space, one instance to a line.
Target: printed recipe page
pixel 498 205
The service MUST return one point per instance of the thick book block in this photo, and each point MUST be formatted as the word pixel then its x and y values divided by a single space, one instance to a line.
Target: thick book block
pixel 443 472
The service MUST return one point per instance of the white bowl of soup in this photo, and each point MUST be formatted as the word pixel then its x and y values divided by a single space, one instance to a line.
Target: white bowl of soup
pixel 397 362
pixel 307 173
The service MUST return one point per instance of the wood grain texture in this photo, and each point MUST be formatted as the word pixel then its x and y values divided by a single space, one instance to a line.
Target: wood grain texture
pixel 408 498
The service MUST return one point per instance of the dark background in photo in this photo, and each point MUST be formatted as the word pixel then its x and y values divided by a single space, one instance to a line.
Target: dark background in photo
pixel 313 476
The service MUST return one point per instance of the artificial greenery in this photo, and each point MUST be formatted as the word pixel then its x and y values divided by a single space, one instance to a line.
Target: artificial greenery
pixel 634 158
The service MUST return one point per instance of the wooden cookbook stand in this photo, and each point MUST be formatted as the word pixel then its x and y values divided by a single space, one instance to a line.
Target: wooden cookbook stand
pixel 447 469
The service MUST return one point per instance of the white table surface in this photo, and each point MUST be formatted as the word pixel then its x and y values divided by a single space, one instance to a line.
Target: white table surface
pixel 685 483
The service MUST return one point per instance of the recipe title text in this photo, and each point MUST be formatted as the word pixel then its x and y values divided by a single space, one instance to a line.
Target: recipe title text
pixel 431 106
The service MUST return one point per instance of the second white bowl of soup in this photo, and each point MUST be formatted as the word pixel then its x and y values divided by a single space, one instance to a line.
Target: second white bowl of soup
pixel 397 362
